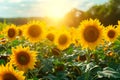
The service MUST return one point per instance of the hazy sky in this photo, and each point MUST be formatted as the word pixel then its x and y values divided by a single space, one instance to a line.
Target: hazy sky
pixel 26 8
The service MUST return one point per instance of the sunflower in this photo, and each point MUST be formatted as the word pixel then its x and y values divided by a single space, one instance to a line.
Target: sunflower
pixel 63 40
pixel 81 58
pixel 90 33
pixel 23 58
pixel 110 54
pixel 11 32
pixel 74 36
pixel 34 31
pixel 20 31
pixel 8 73
pixel 111 33
pixel 51 35
pixel 55 52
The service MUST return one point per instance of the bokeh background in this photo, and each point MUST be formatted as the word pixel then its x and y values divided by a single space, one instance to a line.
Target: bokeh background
pixel 59 12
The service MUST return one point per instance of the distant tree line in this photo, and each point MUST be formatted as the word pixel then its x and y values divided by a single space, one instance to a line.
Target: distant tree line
pixel 19 21
pixel 108 14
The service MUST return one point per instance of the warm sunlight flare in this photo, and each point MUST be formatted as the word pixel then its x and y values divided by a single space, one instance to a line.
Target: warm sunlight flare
pixel 56 13
pixel 57 9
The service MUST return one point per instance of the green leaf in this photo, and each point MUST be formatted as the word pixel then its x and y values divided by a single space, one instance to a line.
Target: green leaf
pixel 80 78
pixel 70 50
pixel 2 61
pixel 15 43
pixel 35 78
pixel 2 48
pixel 108 72
pixel 94 70
pixel 50 77
pixel 117 42
pixel 9 51
pixel 89 66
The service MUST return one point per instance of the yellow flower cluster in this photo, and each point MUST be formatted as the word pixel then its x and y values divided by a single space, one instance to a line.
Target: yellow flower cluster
pixel 89 34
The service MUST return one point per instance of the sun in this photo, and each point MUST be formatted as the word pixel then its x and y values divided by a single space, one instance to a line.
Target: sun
pixel 56 9
pixel 56 13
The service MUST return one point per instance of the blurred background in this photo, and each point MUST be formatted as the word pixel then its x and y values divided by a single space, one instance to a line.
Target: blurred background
pixel 59 12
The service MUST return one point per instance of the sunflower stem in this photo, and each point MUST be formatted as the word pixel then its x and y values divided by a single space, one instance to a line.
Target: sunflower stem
pixel 88 55
pixel 31 74
pixel 88 60
pixel 26 76
pixel 87 76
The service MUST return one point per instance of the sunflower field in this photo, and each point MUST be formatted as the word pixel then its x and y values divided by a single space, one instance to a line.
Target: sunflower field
pixel 35 51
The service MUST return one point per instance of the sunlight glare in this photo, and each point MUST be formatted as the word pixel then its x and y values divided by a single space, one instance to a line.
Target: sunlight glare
pixel 56 9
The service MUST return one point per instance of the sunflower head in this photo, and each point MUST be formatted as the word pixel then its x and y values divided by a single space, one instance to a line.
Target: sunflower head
pixel 110 54
pixel 55 52
pixel 63 40
pixel 51 35
pixel 73 32
pixel 74 36
pixel 20 31
pixel 111 33
pixel 81 58
pixel 34 31
pixel 11 32
pixel 8 73
pixel 90 33
pixel 23 58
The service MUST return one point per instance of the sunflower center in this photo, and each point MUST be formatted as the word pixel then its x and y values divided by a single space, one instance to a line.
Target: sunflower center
pixel 50 36
pixel 11 32
pixel 34 31
pixel 23 58
pixel 111 34
pixel 62 39
pixel 91 34
pixel 9 76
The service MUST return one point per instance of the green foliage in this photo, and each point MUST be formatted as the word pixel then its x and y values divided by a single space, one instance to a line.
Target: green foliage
pixel 108 72
pixel 107 13
pixel 2 61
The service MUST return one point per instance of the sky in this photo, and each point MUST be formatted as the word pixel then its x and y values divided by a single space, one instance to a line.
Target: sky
pixel 37 8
